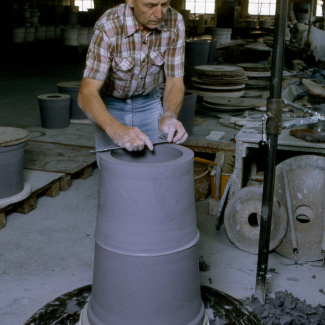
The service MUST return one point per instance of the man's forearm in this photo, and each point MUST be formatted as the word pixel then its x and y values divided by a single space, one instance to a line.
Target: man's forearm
pixel 173 98
pixel 93 106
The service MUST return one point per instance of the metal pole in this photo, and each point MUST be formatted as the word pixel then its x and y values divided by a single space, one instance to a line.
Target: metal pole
pixel 273 127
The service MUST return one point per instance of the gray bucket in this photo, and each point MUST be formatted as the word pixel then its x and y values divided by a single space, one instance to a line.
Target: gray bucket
pixel 197 52
pixel 187 112
pixel 146 267
pixel 54 110
pixel 72 88
pixel 11 170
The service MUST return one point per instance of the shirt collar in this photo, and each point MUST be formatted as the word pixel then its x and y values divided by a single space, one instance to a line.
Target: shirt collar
pixel 131 25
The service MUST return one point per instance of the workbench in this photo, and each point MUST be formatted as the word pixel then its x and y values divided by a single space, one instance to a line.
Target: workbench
pixel 202 127
pixel 248 152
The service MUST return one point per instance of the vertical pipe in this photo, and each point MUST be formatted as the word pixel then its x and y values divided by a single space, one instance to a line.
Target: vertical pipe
pixel 273 125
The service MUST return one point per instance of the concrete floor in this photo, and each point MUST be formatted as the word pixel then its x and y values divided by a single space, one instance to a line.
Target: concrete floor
pixel 50 250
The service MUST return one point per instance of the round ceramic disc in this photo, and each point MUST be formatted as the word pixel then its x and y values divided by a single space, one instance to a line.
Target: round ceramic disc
pixel 252 93
pixel 10 136
pixel 242 220
pixel 224 108
pixel 217 114
pixel 222 81
pixel 266 74
pixel 216 69
pixel 253 66
pixel 228 94
pixel 257 83
pixel 218 88
pixel 70 84
pixel 306 179
pixel 201 83
pixel 258 74
pixel 225 101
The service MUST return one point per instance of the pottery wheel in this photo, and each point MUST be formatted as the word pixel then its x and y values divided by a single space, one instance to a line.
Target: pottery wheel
pixel 10 136
pixel 242 220
pixel 306 177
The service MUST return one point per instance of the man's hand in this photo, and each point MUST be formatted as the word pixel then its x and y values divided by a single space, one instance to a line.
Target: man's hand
pixel 172 128
pixel 130 138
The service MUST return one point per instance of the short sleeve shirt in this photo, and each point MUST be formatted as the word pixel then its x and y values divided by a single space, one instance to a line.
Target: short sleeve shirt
pixel 129 63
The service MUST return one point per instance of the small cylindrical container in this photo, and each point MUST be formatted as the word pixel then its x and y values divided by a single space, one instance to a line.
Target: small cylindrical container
pixel 54 110
pixel 12 142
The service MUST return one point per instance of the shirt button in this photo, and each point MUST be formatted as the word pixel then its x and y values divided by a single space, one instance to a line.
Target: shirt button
pixel 144 60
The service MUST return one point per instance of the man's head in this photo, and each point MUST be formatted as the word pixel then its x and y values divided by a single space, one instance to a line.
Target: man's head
pixel 149 13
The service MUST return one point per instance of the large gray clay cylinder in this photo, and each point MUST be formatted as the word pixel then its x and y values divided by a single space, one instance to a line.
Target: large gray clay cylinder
pixel 54 110
pixel 72 88
pixel 12 142
pixel 146 257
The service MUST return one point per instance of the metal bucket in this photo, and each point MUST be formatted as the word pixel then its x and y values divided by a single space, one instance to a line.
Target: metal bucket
pixel 146 267
pixel 222 35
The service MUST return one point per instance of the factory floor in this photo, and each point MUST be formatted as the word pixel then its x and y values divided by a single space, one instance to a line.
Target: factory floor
pixel 49 251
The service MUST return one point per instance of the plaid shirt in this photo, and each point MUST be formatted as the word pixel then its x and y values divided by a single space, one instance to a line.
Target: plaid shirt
pixel 129 63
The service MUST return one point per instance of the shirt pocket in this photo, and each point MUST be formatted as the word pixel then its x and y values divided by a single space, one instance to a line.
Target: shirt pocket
pixel 155 62
pixel 123 68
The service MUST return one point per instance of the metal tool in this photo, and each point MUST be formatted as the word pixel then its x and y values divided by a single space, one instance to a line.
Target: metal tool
pixel 290 214
pixel 319 116
pixel 323 237
pixel 116 147
pixel 299 122
pixel 222 204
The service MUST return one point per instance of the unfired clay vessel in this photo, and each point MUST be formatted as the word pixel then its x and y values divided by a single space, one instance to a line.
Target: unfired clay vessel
pixel 146 268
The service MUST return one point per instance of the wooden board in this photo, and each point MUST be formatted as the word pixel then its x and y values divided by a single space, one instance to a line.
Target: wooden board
pixel 76 134
pixel 42 184
pixel 59 158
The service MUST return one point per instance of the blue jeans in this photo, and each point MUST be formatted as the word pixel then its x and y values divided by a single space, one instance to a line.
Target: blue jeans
pixel 143 111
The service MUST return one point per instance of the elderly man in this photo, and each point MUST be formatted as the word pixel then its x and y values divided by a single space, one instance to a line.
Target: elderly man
pixel 137 46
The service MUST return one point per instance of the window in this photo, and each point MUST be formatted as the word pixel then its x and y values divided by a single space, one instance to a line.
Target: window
pixel 261 7
pixel 200 6
pixel 319 9
pixel 84 5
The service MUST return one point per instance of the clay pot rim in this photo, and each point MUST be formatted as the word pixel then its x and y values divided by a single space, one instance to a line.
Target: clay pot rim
pixel 16 136
pixel 54 96
pixel 70 85
pixel 186 155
